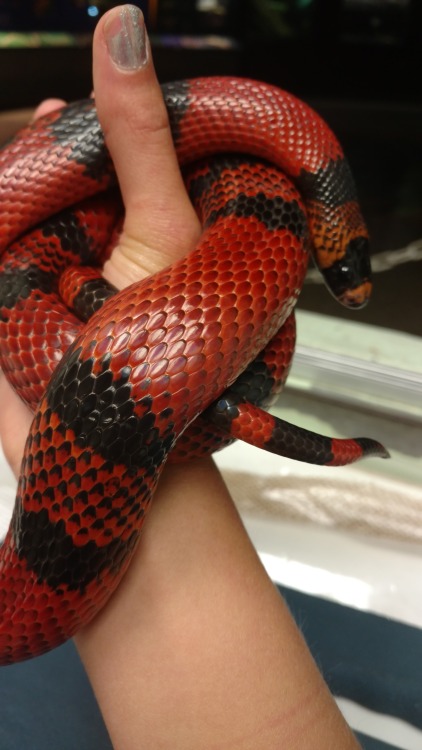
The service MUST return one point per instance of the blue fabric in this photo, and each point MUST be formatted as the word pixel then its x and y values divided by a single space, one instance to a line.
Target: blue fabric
pixel 369 743
pixel 48 704
pixel 372 660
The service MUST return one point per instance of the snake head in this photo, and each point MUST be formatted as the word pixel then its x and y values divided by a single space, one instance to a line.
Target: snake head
pixel 349 279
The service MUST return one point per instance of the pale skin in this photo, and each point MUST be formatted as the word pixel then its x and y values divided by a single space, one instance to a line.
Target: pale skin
pixel 196 649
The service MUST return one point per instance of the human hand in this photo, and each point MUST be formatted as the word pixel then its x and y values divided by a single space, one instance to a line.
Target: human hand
pixel 160 224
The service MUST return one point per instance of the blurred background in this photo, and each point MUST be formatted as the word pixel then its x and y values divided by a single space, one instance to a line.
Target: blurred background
pixel 356 61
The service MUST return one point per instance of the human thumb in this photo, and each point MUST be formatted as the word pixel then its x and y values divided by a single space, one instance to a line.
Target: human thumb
pixel 160 225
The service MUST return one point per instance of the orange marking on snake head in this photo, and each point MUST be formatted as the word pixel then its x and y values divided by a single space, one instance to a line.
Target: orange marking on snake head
pixel 357 297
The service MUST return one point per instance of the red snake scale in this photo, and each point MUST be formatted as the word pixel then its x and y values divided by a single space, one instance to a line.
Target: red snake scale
pixel 181 362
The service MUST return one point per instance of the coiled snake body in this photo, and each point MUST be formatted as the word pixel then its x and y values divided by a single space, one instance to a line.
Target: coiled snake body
pixel 180 363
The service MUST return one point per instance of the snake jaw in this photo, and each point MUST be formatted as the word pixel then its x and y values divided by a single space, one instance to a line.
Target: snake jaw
pixel 357 298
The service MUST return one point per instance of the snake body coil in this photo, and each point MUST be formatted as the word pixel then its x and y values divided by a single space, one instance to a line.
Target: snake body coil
pixel 180 363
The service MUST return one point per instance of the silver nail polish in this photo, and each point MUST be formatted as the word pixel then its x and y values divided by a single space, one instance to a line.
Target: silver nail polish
pixel 126 38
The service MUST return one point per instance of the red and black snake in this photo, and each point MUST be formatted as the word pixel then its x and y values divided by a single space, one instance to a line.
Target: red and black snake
pixel 181 362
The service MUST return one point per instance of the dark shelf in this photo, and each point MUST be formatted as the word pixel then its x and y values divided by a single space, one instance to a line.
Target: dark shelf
pixel 28 74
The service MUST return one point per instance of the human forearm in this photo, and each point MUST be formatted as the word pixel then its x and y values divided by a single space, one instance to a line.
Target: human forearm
pixel 196 649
